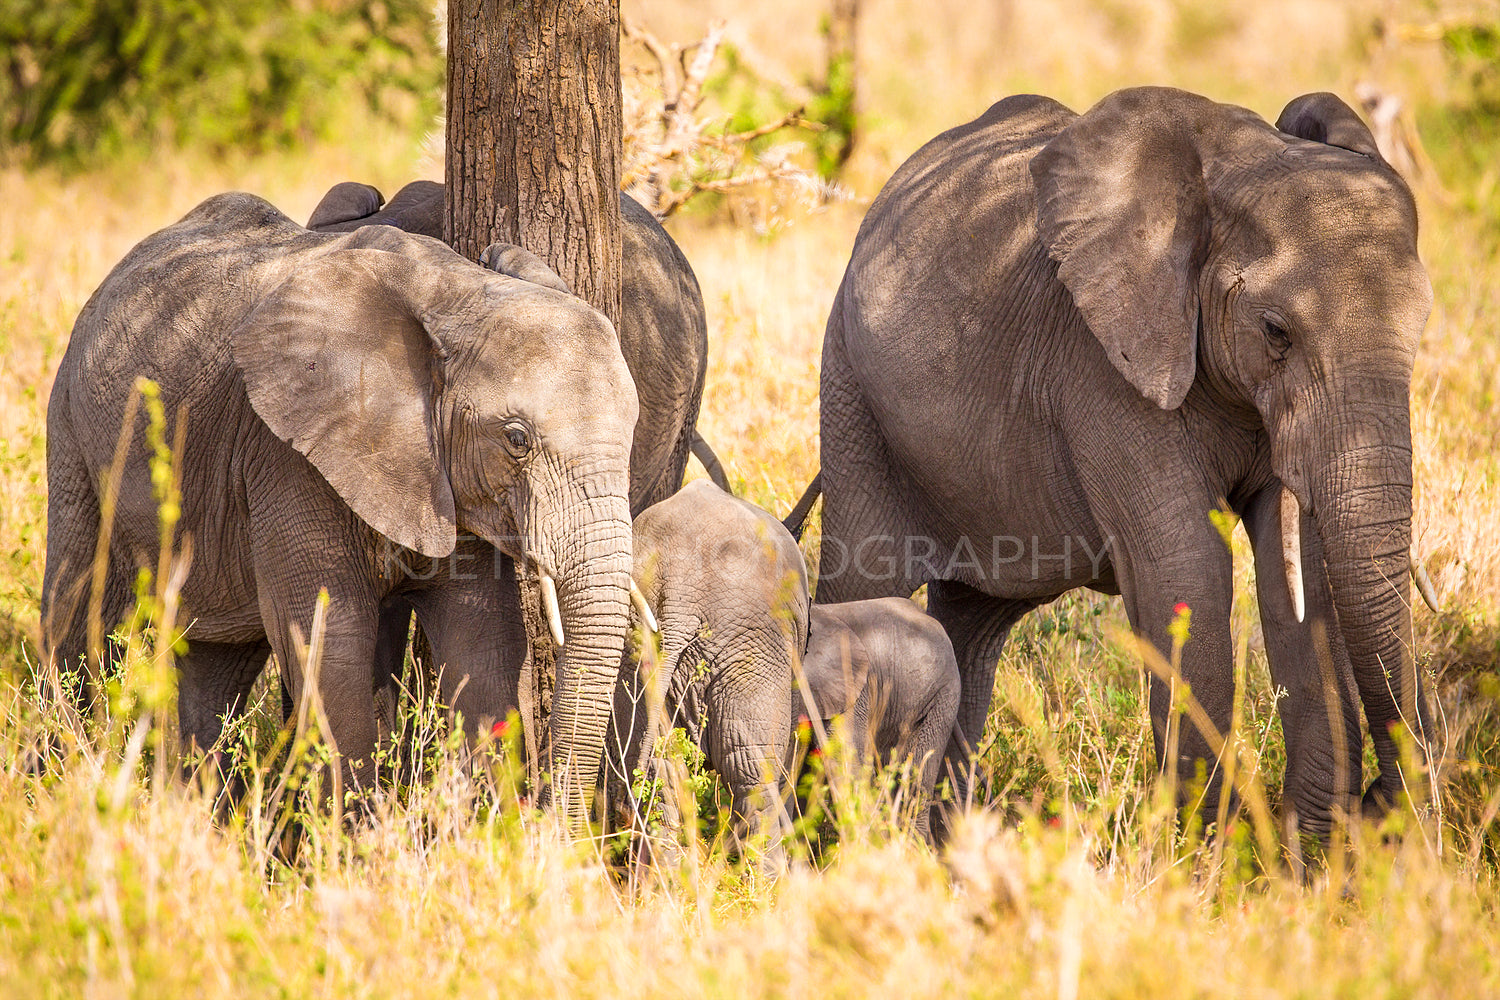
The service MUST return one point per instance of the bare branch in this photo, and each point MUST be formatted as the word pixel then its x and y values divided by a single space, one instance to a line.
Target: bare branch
pixel 672 154
pixel 667 56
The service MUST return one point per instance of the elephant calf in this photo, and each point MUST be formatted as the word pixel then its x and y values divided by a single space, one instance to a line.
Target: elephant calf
pixel 728 587
pixel 368 415
pixel 890 670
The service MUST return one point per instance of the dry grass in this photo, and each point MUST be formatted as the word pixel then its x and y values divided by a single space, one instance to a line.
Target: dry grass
pixel 114 885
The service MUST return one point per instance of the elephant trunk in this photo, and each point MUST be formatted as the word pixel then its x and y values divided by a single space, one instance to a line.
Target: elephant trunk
pixel 592 581
pixel 1362 502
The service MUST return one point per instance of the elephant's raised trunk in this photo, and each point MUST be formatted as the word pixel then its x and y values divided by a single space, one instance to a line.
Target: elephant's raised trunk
pixel 592 576
pixel 1362 506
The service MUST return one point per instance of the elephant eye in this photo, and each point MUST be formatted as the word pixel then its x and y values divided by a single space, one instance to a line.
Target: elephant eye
pixel 516 437
pixel 1278 337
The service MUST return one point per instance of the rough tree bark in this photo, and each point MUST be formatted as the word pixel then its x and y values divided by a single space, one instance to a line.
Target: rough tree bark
pixel 534 145
pixel 534 136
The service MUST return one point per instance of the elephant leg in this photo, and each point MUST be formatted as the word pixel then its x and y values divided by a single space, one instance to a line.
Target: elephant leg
pixel 1155 582
pixel 654 704
pixel 866 517
pixel 478 645
pixel 977 625
pixel 622 743
pixel 213 690
pixel 343 673
pixel 926 746
pixel 74 520
pixel 388 670
pixel 294 559
pixel 1320 712
pixel 80 681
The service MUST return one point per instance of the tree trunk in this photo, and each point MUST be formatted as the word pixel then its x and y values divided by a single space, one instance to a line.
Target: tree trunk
pixel 534 146
pixel 840 92
pixel 534 136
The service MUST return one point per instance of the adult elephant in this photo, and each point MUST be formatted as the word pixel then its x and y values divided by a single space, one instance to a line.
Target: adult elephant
pixel 1062 340
pixel 663 332
pixel 363 410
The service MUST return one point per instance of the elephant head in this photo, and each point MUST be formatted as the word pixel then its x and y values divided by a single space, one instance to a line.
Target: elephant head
pixel 1276 270
pixel 457 399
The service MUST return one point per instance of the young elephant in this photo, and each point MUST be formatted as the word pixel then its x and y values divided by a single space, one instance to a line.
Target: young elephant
pixel 367 414
pixel 663 337
pixel 728 587
pixel 662 327
pixel 889 669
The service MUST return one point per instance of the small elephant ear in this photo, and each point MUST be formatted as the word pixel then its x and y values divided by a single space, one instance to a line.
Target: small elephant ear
pixel 836 664
pixel 337 363
pixel 1122 207
pixel 345 202
pixel 517 262
pixel 417 208
pixel 1323 117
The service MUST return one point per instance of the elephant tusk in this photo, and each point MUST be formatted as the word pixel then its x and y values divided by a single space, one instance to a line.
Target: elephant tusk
pixel 1423 582
pixel 549 607
pixel 1291 550
pixel 642 608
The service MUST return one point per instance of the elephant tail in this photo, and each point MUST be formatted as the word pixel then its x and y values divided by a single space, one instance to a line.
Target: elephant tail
pixel 711 463
pixel 797 519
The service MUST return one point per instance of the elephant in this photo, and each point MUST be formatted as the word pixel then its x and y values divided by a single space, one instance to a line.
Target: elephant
pixel 663 330
pixel 369 414
pixel 890 670
pixel 726 587
pixel 663 336
pixel 1062 341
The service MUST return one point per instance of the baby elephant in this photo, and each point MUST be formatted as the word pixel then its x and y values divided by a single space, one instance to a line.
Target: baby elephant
pixel 889 669
pixel 728 588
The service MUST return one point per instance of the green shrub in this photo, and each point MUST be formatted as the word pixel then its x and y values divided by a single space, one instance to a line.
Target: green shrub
pixel 84 77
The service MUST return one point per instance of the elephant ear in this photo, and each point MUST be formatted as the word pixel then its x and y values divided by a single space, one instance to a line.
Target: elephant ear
pixel 836 664
pixel 338 364
pixel 1122 207
pixel 345 202
pixel 518 262
pixel 1323 117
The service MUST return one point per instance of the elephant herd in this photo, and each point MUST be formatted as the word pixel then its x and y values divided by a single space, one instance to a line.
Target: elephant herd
pixel 1061 343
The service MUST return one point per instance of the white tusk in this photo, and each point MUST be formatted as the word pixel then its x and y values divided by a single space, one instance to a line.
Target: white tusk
pixel 1291 550
pixel 549 606
pixel 642 608
pixel 1423 582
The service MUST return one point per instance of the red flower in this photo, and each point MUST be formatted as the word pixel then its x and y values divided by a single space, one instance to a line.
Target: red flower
pixel 499 729
pixel 815 752
pixel 1055 822
pixel 1180 608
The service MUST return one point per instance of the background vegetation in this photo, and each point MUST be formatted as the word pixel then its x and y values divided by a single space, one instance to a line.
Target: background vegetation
pixel 114 881
pixel 82 78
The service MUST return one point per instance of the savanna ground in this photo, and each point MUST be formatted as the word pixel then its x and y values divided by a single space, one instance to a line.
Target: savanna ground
pixel 115 881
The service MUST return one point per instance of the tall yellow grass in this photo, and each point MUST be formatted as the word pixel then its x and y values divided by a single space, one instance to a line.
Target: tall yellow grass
pixel 1071 884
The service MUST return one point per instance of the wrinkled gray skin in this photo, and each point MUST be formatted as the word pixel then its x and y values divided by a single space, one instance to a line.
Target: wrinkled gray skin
pixel 663 336
pixel 728 587
pixel 367 413
pixel 890 671
pixel 663 331
pixel 1062 340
